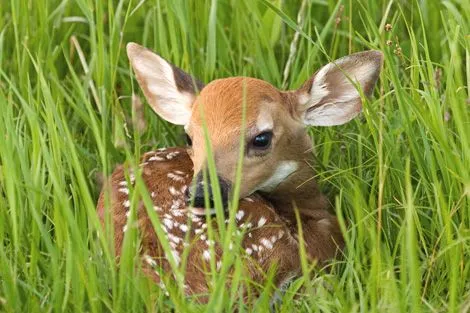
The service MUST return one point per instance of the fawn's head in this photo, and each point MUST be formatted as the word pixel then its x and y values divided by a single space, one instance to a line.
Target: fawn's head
pixel 275 138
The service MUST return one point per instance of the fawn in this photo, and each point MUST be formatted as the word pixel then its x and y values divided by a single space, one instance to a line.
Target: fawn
pixel 276 177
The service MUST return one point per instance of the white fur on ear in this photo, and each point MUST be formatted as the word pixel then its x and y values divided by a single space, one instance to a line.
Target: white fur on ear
pixel 331 97
pixel 169 90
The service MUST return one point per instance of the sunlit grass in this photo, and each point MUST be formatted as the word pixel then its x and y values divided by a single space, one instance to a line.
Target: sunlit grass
pixel 398 177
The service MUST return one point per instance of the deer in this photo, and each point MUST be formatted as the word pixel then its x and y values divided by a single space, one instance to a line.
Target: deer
pixel 277 184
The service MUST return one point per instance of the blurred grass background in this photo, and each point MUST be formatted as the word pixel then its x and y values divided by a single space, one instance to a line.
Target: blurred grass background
pixel 399 177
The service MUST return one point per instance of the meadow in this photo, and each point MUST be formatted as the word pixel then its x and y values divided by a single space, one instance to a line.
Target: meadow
pixel 398 177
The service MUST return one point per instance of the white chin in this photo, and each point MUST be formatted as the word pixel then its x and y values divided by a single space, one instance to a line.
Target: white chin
pixel 283 170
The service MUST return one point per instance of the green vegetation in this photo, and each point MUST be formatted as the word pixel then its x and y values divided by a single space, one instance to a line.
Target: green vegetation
pixel 399 176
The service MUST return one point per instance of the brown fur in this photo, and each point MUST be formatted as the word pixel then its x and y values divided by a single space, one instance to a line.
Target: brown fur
pixel 283 254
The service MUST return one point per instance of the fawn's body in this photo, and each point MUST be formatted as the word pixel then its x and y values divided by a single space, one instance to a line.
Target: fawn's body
pixel 269 238
pixel 274 163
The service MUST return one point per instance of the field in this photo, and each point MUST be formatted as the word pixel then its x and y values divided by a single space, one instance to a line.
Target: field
pixel 398 176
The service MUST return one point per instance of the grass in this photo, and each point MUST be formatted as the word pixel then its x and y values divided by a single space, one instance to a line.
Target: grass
pixel 399 176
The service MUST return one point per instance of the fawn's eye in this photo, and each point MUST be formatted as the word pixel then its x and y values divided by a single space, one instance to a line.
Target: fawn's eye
pixel 189 142
pixel 262 141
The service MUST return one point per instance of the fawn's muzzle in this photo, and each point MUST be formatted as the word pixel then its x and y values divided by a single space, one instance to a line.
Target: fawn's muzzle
pixel 196 192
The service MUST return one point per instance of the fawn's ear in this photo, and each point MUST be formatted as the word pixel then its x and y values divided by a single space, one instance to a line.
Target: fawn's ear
pixel 330 97
pixel 169 90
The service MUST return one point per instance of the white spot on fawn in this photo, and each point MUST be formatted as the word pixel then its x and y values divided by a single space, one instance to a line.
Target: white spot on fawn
pixel 206 255
pixel 175 177
pixel 124 190
pixel 168 223
pixel 324 222
pixel 148 259
pixel 177 213
pixel 173 191
pixel 176 205
pixel 195 219
pixel 174 238
pixel 240 215
pixel 261 221
pixel 273 239
pixel 249 251
pixel 156 158
pixel 171 155
pixel 126 204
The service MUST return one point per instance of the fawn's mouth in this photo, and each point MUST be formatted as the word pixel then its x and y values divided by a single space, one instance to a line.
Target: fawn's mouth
pixel 198 207
pixel 201 211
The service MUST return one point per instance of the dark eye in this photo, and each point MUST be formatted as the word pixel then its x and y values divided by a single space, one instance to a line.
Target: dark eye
pixel 262 141
pixel 189 142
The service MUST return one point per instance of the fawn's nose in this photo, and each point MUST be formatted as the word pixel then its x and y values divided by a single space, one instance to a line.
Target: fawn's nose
pixel 196 192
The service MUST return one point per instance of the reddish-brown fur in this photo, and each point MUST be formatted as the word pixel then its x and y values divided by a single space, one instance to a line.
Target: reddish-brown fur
pixel 276 238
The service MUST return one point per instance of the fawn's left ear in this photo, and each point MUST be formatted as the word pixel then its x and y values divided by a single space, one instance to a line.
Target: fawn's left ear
pixel 168 89
pixel 330 97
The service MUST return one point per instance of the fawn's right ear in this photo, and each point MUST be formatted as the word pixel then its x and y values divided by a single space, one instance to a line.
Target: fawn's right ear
pixel 169 90
pixel 331 96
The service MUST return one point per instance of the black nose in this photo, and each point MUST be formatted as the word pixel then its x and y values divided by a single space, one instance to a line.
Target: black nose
pixel 196 192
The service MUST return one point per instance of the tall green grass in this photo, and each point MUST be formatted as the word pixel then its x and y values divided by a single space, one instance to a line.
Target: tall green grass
pixel 398 177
